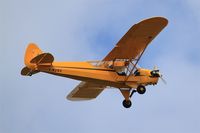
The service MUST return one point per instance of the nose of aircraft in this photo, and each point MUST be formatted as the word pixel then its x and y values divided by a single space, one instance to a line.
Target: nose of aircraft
pixel 155 73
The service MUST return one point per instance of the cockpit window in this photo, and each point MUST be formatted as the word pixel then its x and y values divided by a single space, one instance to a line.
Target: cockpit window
pixel 121 73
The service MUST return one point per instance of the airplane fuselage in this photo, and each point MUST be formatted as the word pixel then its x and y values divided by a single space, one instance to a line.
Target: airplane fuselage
pixel 85 71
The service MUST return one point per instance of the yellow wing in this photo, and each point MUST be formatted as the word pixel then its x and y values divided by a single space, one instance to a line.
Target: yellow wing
pixel 137 39
pixel 85 91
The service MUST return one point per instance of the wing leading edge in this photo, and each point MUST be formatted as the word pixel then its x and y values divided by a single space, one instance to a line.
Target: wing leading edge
pixel 85 91
pixel 137 39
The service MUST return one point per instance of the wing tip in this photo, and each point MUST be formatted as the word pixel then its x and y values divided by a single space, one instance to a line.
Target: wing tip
pixel 159 19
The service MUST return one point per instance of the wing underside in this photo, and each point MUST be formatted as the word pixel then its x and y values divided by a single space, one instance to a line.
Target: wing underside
pixel 85 91
pixel 134 42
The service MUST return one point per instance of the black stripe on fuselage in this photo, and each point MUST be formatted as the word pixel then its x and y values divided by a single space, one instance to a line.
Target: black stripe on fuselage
pixel 84 68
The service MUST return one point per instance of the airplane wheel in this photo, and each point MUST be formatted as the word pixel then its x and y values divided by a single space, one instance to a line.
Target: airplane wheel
pixel 127 103
pixel 141 89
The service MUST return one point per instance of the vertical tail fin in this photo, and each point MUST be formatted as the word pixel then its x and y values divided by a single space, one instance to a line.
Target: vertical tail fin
pixel 31 52
pixel 34 57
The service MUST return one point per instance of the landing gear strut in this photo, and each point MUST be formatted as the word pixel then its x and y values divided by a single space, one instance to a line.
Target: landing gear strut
pixel 128 94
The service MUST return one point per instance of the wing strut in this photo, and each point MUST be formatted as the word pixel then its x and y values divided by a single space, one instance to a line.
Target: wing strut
pixel 134 65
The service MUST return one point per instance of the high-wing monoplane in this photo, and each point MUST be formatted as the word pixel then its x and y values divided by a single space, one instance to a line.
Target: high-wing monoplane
pixel 119 69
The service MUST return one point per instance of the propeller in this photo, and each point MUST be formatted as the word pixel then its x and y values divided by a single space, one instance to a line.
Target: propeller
pixel 155 72
pixel 164 81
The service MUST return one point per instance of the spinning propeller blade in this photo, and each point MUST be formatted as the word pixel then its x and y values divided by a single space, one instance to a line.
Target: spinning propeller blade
pixel 163 80
pixel 155 68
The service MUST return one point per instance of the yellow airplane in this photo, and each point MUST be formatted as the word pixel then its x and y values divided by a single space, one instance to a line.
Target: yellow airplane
pixel 118 69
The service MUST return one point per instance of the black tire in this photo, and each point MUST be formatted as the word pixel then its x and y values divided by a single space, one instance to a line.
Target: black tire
pixel 141 89
pixel 127 103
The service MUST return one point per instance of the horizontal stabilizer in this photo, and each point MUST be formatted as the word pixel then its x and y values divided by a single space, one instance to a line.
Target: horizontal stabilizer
pixel 28 72
pixel 44 58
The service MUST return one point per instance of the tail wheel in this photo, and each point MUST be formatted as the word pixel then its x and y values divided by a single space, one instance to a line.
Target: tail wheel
pixel 127 103
pixel 141 89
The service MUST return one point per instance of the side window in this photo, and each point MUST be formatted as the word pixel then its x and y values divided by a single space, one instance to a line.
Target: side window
pixel 121 73
pixel 136 73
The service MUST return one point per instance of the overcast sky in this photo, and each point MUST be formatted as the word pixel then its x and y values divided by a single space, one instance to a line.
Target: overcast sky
pixel 87 30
